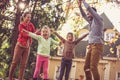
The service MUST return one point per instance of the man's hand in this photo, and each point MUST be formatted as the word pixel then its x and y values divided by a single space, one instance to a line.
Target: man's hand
pixel 79 2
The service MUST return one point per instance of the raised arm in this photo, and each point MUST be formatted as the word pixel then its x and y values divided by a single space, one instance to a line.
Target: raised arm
pixel 54 42
pixel 95 15
pixel 60 37
pixel 82 37
pixel 82 11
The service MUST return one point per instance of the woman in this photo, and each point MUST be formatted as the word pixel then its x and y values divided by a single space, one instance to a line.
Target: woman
pixel 22 48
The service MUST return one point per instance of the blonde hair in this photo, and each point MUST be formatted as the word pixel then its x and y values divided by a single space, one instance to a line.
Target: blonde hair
pixel 46 27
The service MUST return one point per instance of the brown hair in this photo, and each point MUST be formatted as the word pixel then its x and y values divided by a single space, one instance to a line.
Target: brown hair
pixel 23 15
pixel 70 33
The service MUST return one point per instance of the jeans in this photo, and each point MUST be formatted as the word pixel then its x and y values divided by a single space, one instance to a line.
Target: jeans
pixel 65 64
pixel 93 52
pixel 20 54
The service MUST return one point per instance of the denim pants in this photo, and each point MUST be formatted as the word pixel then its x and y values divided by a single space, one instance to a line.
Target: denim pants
pixel 93 52
pixel 65 65
pixel 21 55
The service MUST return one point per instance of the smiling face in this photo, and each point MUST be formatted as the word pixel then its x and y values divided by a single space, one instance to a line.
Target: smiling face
pixel 45 32
pixel 70 37
pixel 27 17
pixel 89 16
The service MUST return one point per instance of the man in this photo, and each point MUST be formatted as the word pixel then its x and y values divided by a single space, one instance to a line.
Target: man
pixel 95 47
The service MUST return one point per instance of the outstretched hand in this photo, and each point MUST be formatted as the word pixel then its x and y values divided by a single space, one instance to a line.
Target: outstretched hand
pixel 37 31
pixel 52 30
pixel 24 31
pixel 79 2
pixel 60 43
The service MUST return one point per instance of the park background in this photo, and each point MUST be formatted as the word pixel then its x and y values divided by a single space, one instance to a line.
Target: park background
pixel 62 15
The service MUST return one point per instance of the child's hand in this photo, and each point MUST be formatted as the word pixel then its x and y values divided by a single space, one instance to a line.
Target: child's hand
pixel 37 31
pixel 25 31
pixel 52 30
pixel 60 43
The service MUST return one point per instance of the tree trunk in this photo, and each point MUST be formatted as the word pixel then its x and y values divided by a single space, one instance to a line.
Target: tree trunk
pixel 15 30
pixel 14 36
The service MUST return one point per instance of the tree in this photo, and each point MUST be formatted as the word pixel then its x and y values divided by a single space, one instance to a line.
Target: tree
pixel 43 13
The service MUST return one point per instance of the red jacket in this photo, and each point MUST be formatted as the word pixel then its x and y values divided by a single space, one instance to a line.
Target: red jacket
pixel 23 37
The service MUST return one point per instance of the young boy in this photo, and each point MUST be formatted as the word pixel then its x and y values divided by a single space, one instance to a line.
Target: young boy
pixel 68 53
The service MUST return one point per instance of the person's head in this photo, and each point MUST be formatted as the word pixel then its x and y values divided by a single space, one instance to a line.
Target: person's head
pixel 45 32
pixel 70 36
pixel 89 15
pixel 26 17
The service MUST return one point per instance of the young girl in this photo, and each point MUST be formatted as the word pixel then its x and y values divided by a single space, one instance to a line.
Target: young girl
pixel 43 51
pixel 22 48
pixel 68 53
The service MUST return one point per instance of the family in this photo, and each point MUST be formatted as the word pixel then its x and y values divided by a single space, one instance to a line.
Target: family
pixel 93 50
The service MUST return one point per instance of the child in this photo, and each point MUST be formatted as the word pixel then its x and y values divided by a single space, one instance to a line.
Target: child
pixel 22 48
pixel 43 51
pixel 68 53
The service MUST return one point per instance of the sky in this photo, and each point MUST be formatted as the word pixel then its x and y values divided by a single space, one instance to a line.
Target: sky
pixel 113 13
pixel 111 9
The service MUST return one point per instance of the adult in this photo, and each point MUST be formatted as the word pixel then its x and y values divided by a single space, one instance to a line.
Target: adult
pixel 95 46
pixel 22 48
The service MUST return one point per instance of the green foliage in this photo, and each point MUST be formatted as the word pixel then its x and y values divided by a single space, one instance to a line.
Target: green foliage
pixel 44 13
pixel 53 51
pixel 5 34
pixel 48 14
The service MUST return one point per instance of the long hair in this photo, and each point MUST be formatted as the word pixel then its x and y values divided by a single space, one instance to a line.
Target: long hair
pixel 24 15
